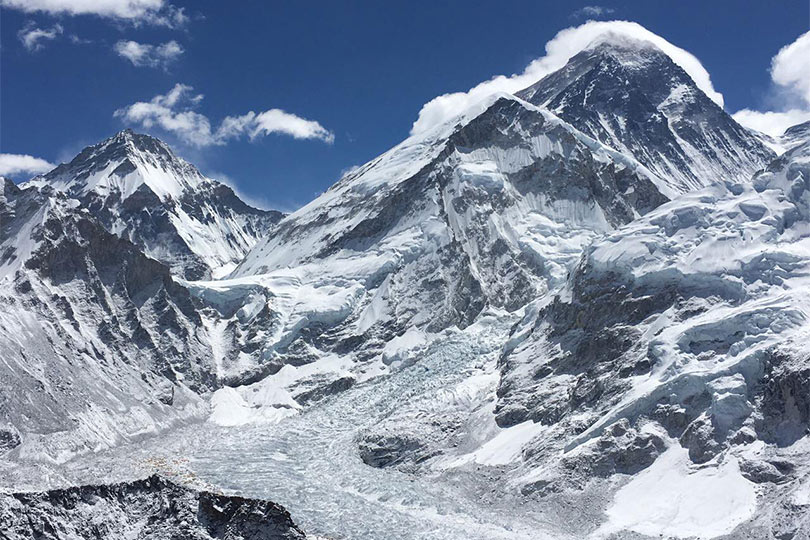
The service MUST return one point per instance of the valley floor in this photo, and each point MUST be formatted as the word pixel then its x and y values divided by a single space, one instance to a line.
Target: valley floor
pixel 310 463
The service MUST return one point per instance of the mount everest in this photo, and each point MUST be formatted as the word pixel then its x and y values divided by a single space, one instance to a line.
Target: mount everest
pixel 517 324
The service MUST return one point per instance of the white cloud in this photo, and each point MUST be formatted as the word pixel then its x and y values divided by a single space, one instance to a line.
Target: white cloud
pixel 162 111
pixel 592 11
pixel 790 68
pixel 144 54
pixel 174 112
pixel 559 50
pixel 278 121
pixel 16 164
pixel 790 93
pixel 156 12
pixel 769 122
pixel 33 37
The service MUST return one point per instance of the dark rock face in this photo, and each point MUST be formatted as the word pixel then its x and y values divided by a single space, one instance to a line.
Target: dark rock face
pixel 591 343
pixel 785 399
pixel 149 223
pixel 75 248
pixel 620 450
pixel 378 450
pixel 149 509
pixel 634 98
pixel 9 438
pixel 576 175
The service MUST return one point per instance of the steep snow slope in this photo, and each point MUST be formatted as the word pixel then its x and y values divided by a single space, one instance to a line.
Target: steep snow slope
pixel 490 209
pixel 631 96
pixel 139 190
pixel 98 343
pixel 684 329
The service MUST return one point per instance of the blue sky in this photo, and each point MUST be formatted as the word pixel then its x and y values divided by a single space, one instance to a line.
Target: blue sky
pixel 350 77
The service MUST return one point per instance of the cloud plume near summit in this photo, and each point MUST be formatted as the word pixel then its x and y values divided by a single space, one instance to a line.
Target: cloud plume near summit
pixel 559 50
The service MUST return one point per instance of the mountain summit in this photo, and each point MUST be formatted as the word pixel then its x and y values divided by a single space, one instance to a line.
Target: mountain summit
pixel 140 190
pixel 122 164
pixel 631 96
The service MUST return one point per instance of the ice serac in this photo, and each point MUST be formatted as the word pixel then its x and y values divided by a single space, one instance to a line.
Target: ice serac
pixel 489 210
pixel 687 330
pixel 631 96
pixel 153 508
pixel 99 343
pixel 140 190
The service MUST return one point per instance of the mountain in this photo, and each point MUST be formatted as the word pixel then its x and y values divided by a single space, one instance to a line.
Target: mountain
pixel 631 96
pixel 99 343
pixel 140 190
pixel 796 135
pixel 485 212
pixel 518 324
pixel 702 354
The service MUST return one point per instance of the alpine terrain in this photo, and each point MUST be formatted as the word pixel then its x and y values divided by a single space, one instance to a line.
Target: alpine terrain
pixel 575 311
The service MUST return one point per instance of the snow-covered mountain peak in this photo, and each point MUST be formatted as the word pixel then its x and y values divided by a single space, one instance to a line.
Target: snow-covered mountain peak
pixel 631 96
pixel 632 52
pixel 797 134
pixel 139 189
pixel 121 165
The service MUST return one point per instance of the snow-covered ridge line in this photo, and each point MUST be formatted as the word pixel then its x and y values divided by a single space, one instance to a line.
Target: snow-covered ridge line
pixel 140 190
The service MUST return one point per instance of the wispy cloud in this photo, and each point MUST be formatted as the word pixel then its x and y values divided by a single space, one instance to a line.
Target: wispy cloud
pixel 17 164
pixel 590 12
pixel 33 38
pixel 156 12
pixel 175 113
pixel 790 92
pixel 145 54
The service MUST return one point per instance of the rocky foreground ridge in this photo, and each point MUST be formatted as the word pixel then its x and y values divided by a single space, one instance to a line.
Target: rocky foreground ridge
pixel 153 508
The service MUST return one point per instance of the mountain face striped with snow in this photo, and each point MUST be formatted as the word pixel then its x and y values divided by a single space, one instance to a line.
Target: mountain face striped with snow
pixel 704 346
pixel 99 343
pixel 631 96
pixel 485 212
pixel 138 189
pixel 553 306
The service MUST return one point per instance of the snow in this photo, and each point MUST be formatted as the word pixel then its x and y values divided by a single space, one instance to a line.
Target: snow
pixel 270 399
pixel 743 248
pixel 401 347
pixel 675 499
pixel 221 237
pixel 504 448
pixel 166 184
pixel 229 408
pixel 21 245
